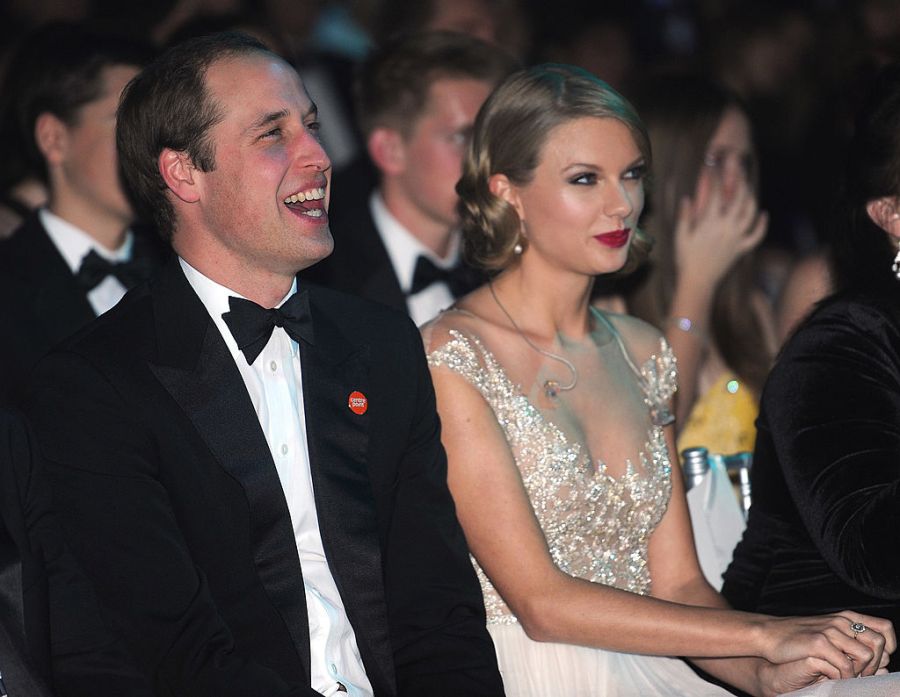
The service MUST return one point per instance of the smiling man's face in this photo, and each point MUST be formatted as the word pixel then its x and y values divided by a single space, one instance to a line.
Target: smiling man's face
pixel 266 199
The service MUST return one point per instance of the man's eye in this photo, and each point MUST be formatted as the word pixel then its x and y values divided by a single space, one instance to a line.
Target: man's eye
pixel 314 126
pixel 274 133
pixel 459 139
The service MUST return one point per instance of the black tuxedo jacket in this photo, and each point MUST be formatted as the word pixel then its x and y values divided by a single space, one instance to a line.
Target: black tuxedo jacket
pixel 35 564
pixel 41 303
pixel 824 529
pixel 165 485
pixel 24 653
pixel 360 263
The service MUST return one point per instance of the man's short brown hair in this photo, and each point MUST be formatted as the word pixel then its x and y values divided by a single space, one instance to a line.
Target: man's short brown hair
pixel 392 86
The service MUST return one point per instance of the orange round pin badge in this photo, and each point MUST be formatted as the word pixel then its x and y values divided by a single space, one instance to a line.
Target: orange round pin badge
pixel 358 403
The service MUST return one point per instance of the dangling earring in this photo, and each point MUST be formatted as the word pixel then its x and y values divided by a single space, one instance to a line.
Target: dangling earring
pixel 518 249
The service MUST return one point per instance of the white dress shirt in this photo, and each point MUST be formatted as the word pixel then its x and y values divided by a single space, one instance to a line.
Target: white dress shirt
pixel 276 390
pixel 404 250
pixel 74 244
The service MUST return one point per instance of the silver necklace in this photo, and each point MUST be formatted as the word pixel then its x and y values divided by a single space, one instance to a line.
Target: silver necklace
pixel 552 388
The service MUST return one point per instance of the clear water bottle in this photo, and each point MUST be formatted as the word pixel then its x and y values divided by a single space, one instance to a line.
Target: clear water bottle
pixel 696 465
pixel 738 466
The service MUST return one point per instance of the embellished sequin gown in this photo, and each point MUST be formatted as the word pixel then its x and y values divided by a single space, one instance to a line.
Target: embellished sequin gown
pixel 596 512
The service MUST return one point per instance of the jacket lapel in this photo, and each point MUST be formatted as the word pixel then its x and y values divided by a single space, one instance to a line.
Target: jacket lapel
pixel 59 304
pixel 196 368
pixel 338 438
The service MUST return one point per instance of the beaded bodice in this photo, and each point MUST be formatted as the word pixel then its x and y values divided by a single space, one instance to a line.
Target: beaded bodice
pixel 597 525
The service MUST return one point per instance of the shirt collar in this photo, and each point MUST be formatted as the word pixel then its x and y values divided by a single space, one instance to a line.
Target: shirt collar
pixel 403 247
pixel 214 297
pixel 74 243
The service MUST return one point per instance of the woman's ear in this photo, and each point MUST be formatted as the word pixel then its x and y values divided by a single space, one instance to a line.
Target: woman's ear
pixel 501 187
pixel 885 213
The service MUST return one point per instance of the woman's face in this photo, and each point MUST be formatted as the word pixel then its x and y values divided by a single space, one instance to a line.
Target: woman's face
pixel 729 161
pixel 582 205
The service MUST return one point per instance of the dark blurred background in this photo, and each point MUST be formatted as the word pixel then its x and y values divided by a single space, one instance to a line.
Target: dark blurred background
pixel 800 66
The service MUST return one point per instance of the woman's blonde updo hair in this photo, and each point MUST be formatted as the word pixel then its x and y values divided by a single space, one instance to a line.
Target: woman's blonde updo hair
pixel 508 137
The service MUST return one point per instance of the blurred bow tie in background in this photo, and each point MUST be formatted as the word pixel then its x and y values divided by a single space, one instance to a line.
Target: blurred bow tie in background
pixel 95 268
pixel 460 279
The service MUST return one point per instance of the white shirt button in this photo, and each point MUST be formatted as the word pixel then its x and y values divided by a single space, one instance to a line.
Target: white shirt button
pixel 333 669
pixel 273 366
pixel 284 449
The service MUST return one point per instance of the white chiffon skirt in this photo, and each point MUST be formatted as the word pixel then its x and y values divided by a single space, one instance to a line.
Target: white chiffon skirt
pixel 542 669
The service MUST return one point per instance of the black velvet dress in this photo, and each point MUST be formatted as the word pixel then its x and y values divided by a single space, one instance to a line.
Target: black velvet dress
pixel 824 527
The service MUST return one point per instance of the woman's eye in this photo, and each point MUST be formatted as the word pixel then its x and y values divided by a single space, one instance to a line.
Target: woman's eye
pixel 714 160
pixel 585 178
pixel 636 173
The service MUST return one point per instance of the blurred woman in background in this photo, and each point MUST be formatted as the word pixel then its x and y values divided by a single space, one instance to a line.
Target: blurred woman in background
pixel 698 287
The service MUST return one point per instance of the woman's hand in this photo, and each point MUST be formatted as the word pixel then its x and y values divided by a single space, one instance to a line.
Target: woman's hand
pixel 709 241
pixel 778 679
pixel 830 638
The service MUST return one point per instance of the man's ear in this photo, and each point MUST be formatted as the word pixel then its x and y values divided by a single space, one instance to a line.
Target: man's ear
pixel 387 150
pixel 502 187
pixel 179 174
pixel 51 135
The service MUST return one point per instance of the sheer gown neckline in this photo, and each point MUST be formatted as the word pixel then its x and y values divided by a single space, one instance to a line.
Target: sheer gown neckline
pixel 597 524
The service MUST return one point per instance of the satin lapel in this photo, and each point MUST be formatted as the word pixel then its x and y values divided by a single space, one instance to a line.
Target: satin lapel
pixel 382 286
pixel 200 374
pixel 338 445
pixel 60 305
pixel 379 279
pixel 363 261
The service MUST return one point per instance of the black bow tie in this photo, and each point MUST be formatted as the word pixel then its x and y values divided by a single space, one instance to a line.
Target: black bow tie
pixel 95 268
pixel 252 325
pixel 460 279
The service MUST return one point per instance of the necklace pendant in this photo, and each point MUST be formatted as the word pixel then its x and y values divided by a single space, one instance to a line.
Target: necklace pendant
pixel 551 389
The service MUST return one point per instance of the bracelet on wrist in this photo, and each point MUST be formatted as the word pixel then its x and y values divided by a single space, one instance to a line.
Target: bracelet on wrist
pixel 687 325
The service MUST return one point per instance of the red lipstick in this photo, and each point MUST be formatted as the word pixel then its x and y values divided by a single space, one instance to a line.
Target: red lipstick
pixel 614 239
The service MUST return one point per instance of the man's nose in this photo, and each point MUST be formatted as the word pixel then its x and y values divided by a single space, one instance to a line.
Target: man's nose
pixel 312 153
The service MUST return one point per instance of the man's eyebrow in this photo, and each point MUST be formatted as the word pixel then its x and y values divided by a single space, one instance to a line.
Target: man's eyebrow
pixel 267 119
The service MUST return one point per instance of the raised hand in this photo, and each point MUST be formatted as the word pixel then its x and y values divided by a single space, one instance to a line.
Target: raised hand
pixel 710 240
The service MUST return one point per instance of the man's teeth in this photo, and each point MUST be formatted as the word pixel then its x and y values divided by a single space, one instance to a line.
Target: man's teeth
pixel 311 195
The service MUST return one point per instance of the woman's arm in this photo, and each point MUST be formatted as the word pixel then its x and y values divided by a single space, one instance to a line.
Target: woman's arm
pixel 507 541
pixel 676 576
pixel 708 242
pixel 808 282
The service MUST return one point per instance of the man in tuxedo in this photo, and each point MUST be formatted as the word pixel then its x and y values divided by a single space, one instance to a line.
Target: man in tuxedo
pixel 74 259
pixel 400 244
pixel 248 468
